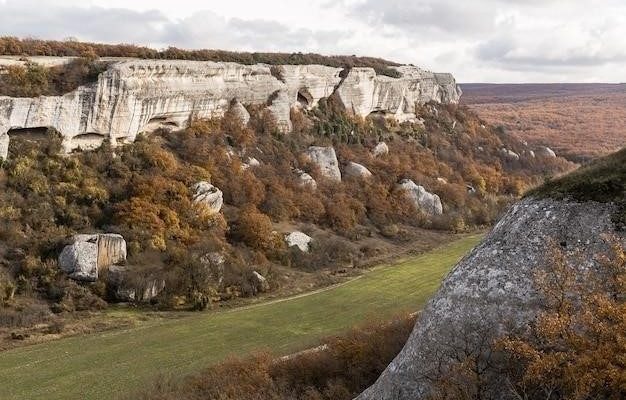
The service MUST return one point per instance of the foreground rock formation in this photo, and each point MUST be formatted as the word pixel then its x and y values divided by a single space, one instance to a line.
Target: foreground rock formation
pixel 492 290
pixel 135 96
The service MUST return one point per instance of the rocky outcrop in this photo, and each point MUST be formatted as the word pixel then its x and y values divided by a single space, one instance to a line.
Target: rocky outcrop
pixel 492 290
pixel 208 196
pixel 364 92
pixel 423 200
pixel 239 111
pixel 299 240
pixel 356 170
pixel 135 96
pixel 89 254
pixel 326 160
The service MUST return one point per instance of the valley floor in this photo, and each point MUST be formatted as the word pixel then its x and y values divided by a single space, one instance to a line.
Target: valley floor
pixel 109 364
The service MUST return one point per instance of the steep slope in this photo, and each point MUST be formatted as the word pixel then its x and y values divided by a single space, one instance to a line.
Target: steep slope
pixel 493 291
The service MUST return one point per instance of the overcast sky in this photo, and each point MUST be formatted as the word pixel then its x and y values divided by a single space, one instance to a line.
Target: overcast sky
pixel 477 40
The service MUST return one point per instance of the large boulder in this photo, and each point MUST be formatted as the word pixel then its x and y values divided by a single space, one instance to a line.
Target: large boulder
pixel 493 291
pixel 429 203
pixel 88 254
pixel 356 170
pixel 209 196
pixel 326 160
pixel 298 239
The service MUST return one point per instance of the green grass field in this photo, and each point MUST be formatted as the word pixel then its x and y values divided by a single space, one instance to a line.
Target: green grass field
pixel 105 365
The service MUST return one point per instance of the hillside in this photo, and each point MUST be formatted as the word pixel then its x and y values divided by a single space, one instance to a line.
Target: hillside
pixel 579 121
pixel 529 303
pixel 403 186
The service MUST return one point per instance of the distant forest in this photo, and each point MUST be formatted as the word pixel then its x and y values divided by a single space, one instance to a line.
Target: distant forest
pixel 71 48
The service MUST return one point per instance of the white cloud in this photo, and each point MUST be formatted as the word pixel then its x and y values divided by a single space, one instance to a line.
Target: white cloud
pixel 481 40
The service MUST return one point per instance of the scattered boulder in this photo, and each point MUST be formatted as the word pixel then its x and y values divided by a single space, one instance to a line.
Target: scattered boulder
pixel 356 170
pixel 306 179
pixel 260 282
pixel 429 203
pixel 251 163
pixel 510 154
pixel 442 180
pixel 546 152
pixel 209 196
pixel 531 154
pixel 326 159
pixel 380 149
pixel 298 239
pixel 87 254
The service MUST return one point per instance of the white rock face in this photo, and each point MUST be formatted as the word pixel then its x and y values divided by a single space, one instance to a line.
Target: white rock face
pixel 135 96
pixel 357 170
pixel 492 290
pixel 88 254
pixel 428 202
pixel 380 150
pixel 299 239
pixel 209 196
pixel 546 152
pixel 326 159
pixel 364 92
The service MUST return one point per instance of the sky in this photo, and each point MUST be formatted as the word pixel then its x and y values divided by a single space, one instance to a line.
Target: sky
pixel 499 41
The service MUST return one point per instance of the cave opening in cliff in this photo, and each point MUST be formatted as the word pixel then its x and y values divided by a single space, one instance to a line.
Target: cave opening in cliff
pixel 160 122
pixel 304 98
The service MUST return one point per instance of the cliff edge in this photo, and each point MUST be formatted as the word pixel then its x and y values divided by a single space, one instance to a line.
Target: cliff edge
pixel 135 96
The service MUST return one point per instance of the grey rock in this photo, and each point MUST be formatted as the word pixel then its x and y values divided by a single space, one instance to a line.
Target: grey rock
pixel 260 282
pixel 380 149
pixel 546 152
pixel 89 253
pixel 209 196
pixel 429 203
pixel 298 239
pixel 492 291
pixel 326 160
pixel 356 170
pixel 305 179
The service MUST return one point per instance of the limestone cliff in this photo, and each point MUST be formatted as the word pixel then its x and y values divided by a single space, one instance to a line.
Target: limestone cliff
pixel 493 290
pixel 135 96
